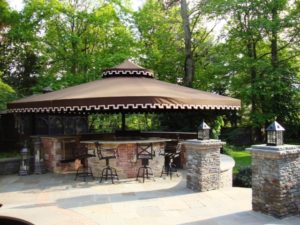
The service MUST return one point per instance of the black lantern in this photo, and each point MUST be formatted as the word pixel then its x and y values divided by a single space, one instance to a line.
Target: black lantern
pixel 275 134
pixel 24 167
pixel 203 131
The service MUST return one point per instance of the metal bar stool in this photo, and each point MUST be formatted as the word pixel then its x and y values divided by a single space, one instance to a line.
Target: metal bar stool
pixel 84 171
pixel 169 166
pixel 165 169
pixel 145 153
pixel 106 154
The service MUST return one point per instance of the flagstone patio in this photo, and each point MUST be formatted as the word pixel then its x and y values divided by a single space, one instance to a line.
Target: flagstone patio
pixel 57 199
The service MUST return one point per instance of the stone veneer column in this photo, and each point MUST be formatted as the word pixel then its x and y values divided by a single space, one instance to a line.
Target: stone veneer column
pixel 276 179
pixel 203 164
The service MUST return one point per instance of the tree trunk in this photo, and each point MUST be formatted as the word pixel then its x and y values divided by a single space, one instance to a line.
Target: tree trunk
pixel 189 62
pixel 255 131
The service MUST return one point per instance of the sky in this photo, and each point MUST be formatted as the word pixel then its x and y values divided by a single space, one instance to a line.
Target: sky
pixel 18 4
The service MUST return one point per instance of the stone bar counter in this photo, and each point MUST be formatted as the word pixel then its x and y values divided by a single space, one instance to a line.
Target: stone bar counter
pixel 57 153
pixel 126 163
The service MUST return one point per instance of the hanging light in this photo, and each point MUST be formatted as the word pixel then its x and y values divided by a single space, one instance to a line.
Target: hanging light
pixel 275 134
pixel 203 131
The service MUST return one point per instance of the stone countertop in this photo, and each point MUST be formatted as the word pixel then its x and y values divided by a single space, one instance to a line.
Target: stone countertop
pixel 127 141
pixel 55 137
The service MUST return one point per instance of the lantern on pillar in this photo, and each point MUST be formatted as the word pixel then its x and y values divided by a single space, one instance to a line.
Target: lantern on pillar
pixel 203 131
pixel 24 167
pixel 275 134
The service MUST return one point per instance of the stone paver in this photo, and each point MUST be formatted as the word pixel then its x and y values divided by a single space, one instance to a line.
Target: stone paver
pixel 51 199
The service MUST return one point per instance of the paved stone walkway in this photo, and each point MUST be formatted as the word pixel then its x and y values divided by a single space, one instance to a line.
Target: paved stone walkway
pixel 51 199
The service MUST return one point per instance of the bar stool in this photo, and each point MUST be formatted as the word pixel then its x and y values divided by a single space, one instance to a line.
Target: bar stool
pixel 169 166
pixel 165 169
pixel 84 171
pixel 145 153
pixel 106 154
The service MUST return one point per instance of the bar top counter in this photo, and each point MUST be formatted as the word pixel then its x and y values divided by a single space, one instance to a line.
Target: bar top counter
pixel 127 141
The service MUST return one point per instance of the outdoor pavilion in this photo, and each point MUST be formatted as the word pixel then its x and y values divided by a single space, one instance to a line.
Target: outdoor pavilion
pixel 125 88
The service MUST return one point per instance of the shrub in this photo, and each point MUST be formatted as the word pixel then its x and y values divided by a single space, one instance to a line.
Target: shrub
pixel 237 136
pixel 243 178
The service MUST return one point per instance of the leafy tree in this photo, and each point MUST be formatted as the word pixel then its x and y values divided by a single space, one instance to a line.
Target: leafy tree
pixel 164 44
pixel 4 14
pixel 80 39
pixel 62 43
pixel 160 44
pixel 4 23
pixel 6 94
pixel 257 58
pixel 18 58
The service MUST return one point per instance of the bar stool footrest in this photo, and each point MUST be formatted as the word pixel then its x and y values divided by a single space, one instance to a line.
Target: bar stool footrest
pixel 146 171
pixel 84 173
pixel 109 173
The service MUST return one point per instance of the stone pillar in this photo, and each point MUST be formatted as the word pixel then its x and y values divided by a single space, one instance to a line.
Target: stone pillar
pixel 276 179
pixel 203 164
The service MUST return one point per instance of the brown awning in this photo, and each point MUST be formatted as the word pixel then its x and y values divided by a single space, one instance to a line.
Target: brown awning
pixel 125 87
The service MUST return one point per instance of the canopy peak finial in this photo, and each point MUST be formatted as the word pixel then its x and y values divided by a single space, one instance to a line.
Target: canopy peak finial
pixel 127 69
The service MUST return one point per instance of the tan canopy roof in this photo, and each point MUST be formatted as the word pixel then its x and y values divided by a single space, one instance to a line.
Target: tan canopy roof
pixel 124 87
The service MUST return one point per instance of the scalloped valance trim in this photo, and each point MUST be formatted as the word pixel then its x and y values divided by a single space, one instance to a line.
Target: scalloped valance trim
pixel 120 107
pixel 127 72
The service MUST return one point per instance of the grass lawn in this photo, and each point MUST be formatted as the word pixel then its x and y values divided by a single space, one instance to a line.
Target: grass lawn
pixel 242 158
pixel 9 154
pixel 291 142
